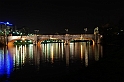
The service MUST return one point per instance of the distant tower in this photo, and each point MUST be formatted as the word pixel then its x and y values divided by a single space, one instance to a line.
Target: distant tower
pixel 96 30
pixel 96 33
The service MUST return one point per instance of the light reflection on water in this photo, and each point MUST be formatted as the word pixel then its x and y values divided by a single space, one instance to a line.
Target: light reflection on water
pixel 13 58
pixel 6 62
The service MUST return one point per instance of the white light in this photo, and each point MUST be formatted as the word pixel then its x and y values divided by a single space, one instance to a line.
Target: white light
pixel 7 22
pixel 121 30
pixel 30 41
pixel 48 41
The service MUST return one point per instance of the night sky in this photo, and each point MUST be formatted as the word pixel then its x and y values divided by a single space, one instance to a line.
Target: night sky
pixel 56 16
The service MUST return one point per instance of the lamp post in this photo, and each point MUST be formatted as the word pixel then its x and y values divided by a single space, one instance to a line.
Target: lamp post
pixel 85 29
pixel 36 31
pixel 66 31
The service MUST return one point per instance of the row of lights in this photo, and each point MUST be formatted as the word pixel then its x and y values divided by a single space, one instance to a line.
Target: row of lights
pixel 25 41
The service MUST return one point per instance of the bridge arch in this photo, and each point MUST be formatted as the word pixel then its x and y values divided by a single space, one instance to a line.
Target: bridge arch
pixel 82 39
pixel 11 43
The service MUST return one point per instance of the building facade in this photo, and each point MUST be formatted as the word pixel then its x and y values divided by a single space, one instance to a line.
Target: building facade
pixel 6 26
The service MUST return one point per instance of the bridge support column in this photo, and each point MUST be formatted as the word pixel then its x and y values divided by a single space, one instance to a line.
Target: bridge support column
pixel 66 42
pixel 66 39
pixel 35 39
pixel 97 38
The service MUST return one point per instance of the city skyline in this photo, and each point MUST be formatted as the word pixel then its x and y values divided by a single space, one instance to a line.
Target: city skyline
pixel 56 16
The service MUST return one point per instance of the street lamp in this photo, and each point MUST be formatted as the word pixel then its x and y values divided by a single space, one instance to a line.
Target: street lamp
pixel 85 29
pixel 36 31
pixel 66 31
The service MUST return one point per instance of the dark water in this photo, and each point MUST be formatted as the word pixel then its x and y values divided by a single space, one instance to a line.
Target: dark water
pixel 46 60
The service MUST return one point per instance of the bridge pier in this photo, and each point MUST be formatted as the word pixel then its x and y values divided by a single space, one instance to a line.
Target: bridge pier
pixel 66 42
pixel 66 39
pixel 34 42
pixel 97 38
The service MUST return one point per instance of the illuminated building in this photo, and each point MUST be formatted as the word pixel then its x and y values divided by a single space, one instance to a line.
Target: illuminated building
pixel 7 26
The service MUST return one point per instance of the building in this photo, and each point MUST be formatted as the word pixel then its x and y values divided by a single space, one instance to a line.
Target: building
pixel 6 26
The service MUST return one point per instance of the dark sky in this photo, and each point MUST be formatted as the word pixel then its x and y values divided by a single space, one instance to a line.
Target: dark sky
pixel 55 16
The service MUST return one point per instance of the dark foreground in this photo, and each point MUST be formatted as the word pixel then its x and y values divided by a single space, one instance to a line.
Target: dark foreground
pixel 108 69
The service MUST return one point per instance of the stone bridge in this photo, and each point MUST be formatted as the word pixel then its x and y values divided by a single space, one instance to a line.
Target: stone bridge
pixel 68 37
pixel 96 38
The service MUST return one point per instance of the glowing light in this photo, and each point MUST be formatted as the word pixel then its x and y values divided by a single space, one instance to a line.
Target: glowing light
pixel 48 41
pixel 10 24
pixel 23 38
pixel 81 52
pixel 6 64
pixel 52 53
pixel 29 41
pixel 7 22
pixel 121 30
pixel 2 22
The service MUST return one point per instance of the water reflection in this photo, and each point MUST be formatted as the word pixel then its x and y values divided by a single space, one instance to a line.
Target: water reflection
pixel 67 54
pixel 14 58
pixel 6 64
pixel 86 56
pixel 52 52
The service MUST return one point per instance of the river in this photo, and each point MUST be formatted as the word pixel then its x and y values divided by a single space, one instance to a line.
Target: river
pixel 51 55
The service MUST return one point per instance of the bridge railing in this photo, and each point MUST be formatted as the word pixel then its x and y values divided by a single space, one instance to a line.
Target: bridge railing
pixel 20 37
pixel 91 36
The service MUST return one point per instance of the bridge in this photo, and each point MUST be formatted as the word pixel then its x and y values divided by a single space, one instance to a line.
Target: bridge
pixel 36 39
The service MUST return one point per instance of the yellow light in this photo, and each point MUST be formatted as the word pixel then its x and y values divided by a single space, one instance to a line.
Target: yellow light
pixel 23 38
